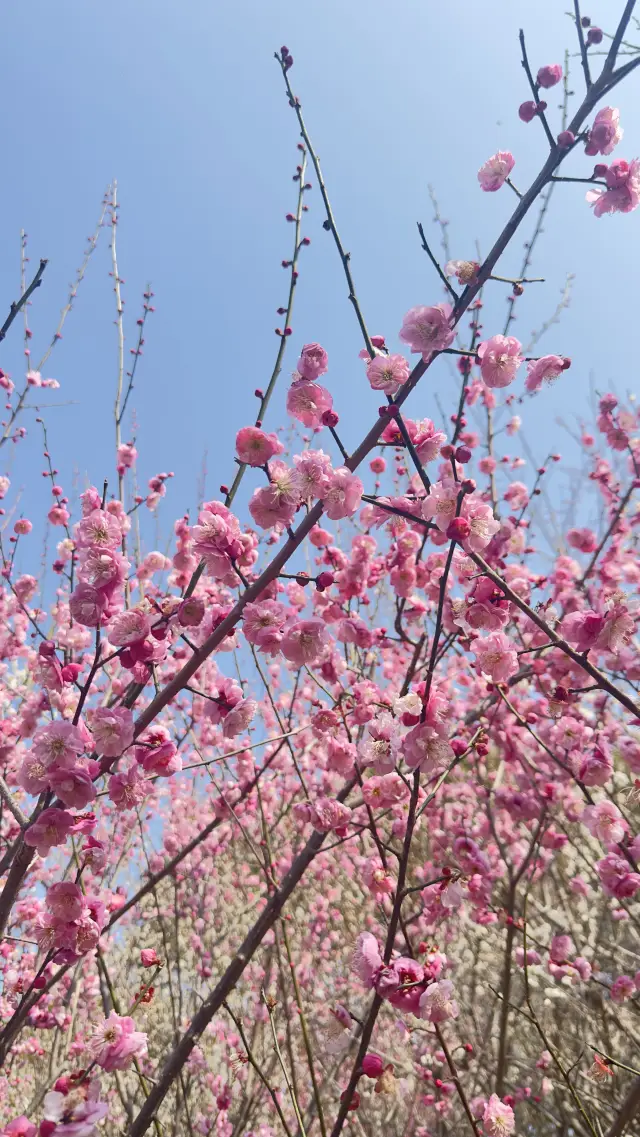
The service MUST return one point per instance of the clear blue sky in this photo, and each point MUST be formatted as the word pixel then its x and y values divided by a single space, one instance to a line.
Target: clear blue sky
pixel 183 103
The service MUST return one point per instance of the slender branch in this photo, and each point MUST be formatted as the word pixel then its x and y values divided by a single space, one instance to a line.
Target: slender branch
pixel 270 913
pixel 583 47
pixel 330 222
pixel 436 264
pixel 18 304
pixel 5 794
pixel 535 90
pixel 610 61
pixel 581 660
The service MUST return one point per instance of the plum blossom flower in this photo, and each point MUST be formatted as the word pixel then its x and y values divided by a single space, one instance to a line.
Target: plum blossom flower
pixel 498 1118
pixel 98 529
pixel 33 775
pixel 605 821
pixel 617 878
pixel 441 504
pixel 341 494
pixel 74 1112
pixel 482 524
pixel 313 361
pixel 52 827
pixel 582 629
pixel 367 960
pixel 262 625
pixel 129 627
pixel 20 1126
pixel 593 768
pixel 496 656
pixel 112 729
pixel 239 718
pixel 312 467
pixel 74 787
pixel 465 272
pixel 399 982
pixel 87 604
pixel 327 814
pixel 545 369
pixel 424 749
pixel 128 789
pixel 622 988
pixel 427 329
pixel 276 503
pixel 495 171
pixel 304 641
pixel 65 900
pixel 606 132
pixel 437 1004
pixel 383 790
pixel 307 401
pixel 377 750
pixel 255 448
pixel 58 744
pixel 387 373
pixel 500 359
pixel 584 540
pixel 622 194
pixel 116 1043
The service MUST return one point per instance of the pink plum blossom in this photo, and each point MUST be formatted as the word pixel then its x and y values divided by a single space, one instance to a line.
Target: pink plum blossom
pixel 498 1118
pixel 622 193
pixel 495 171
pixel 128 627
pixel 545 369
pixel 307 401
pixel 127 789
pixel 606 132
pixel 255 448
pixel 496 656
pixel 437 1003
pixel 51 828
pixel 427 329
pixel 313 361
pixel 116 1043
pixel 387 373
pixel 341 494
pixel 112 730
pixel 500 359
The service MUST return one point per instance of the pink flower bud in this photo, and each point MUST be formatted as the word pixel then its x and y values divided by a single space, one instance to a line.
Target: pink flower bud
pixel 458 529
pixel 527 111
pixel 550 75
pixel 372 1066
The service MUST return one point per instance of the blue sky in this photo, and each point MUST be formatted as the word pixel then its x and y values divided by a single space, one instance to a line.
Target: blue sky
pixel 184 104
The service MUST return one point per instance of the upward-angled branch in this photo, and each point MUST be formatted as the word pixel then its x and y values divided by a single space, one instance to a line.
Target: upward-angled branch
pixel 17 305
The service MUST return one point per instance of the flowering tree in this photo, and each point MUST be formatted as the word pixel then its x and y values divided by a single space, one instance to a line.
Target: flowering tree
pixel 356 843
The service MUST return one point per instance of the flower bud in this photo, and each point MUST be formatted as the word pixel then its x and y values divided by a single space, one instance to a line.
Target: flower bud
pixel 372 1066
pixel 458 529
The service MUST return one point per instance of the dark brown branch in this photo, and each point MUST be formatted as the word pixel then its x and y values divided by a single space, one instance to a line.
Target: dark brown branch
pixel 583 47
pixel 535 91
pixel 436 264
pixel 18 304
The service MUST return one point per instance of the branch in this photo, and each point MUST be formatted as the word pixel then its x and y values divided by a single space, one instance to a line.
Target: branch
pixel 581 660
pixel 180 1054
pixel 535 91
pixel 610 61
pixel 583 46
pixel 436 264
pixel 18 304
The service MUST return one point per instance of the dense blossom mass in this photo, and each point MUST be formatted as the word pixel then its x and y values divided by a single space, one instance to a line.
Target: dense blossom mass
pixel 328 814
